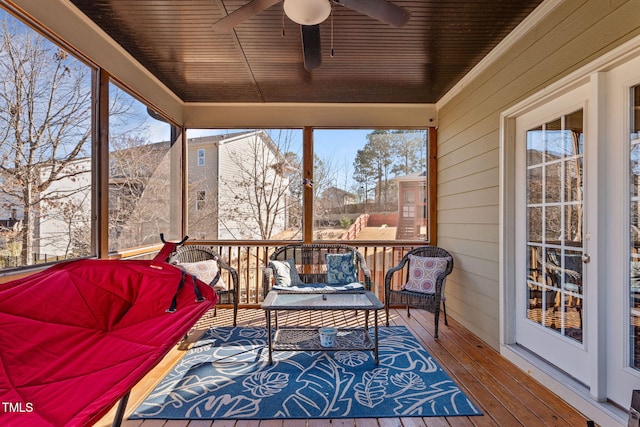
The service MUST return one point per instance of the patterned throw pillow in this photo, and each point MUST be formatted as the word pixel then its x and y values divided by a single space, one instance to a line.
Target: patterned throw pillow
pixel 423 273
pixel 341 269
pixel 205 271
pixel 285 273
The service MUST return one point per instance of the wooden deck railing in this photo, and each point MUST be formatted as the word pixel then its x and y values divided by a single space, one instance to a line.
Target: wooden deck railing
pixel 250 260
pixel 360 223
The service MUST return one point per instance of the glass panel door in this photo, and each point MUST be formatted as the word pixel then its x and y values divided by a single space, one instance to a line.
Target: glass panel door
pixel 550 217
pixel 554 225
pixel 576 193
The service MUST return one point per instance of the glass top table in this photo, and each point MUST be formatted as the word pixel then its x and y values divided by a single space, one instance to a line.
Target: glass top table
pixel 299 338
pixel 343 300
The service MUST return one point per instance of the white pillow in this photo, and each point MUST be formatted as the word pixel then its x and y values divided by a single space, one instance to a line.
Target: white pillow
pixel 205 271
pixel 285 273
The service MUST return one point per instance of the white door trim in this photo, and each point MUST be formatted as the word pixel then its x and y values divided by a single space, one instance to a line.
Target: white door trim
pixel 619 83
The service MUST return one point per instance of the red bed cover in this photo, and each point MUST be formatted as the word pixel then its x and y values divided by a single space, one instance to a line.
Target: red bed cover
pixel 78 336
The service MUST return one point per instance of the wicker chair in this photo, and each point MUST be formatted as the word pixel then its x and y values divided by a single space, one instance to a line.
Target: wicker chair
pixel 197 253
pixel 311 263
pixel 426 301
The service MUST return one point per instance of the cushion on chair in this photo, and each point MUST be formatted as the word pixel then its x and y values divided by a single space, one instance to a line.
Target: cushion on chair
pixel 635 276
pixel 285 273
pixel 205 271
pixel 322 287
pixel 424 272
pixel 341 269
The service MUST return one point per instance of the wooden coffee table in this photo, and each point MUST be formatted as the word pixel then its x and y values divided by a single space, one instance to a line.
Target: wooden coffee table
pixel 298 338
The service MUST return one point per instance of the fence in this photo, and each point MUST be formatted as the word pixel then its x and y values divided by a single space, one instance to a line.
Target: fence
pixel 361 222
pixel 16 261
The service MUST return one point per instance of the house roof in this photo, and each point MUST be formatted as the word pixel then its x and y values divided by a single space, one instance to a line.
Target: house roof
pixel 215 139
pixel 418 176
pixel 337 192
pixel 373 62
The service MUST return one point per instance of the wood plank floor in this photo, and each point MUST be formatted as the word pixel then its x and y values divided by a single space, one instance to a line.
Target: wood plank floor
pixel 506 395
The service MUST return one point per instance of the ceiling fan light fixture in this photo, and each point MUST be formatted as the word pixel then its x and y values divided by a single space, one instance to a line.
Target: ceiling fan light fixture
pixel 307 12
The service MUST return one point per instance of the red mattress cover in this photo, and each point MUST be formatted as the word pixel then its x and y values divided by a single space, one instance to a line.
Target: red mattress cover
pixel 76 337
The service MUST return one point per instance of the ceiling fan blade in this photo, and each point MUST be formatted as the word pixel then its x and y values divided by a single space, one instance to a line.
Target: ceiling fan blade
pixel 382 10
pixel 227 23
pixel 311 51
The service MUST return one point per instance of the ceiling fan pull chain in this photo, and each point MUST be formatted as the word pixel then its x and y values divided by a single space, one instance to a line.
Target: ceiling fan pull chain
pixel 331 32
pixel 283 15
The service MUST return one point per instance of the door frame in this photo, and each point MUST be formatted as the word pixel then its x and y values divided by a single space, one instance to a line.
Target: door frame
pixel 619 81
pixel 573 356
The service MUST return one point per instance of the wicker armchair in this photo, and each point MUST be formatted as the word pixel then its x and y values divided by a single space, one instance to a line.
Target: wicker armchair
pixel 197 253
pixel 427 301
pixel 311 264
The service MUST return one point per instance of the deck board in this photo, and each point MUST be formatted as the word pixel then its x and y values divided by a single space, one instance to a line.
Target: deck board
pixel 506 395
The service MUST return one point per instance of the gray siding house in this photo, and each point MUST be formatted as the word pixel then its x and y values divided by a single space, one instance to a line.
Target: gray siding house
pixel 227 174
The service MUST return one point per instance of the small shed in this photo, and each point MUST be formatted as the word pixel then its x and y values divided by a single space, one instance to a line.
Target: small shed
pixel 412 206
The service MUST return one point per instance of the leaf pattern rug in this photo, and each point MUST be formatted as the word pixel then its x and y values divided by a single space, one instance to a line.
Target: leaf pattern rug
pixel 226 375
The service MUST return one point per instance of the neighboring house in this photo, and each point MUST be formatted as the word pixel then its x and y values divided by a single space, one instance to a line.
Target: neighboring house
pixel 203 164
pixel 335 199
pixel 137 186
pixel 11 211
pixel 65 211
pixel 138 180
pixel 64 208
pixel 242 180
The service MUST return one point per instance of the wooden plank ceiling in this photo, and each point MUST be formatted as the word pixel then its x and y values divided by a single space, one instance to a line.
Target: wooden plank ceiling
pixel 261 59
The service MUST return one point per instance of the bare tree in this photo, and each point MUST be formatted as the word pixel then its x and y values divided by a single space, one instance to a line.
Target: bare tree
pixel 323 179
pixel 45 123
pixel 65 214
pixel 294 176
pixel 256 198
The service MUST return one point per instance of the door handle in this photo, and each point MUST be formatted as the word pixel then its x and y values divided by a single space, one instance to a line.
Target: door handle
pixel 586 258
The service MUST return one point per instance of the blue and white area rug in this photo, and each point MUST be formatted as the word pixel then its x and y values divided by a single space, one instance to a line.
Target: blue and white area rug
pixel 226 375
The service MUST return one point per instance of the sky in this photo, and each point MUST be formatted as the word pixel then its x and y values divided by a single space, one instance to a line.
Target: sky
pixel 337 143
pixel 336 146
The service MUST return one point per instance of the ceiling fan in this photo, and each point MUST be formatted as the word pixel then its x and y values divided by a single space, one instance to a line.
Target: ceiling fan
pixel 310 13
